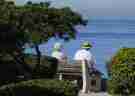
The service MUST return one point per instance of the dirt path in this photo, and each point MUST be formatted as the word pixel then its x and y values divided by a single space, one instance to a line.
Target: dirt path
pixel 94 94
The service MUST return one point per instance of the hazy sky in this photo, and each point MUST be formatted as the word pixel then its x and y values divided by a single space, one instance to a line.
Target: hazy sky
pixel 96 7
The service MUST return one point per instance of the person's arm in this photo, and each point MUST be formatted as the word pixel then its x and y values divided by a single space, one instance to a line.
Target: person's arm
pixel 93 62
pixel 63 58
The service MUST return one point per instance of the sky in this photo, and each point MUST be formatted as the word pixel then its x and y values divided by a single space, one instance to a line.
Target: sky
pixel 96 7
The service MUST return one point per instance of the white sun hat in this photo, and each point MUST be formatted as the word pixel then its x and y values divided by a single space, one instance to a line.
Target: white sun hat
pixel 57 46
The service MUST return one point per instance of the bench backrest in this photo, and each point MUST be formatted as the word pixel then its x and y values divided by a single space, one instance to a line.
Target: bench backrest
pixel 75 67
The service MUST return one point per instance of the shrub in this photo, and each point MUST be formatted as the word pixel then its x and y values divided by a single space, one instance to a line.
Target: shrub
pixel 39 88
pixel 122 72
pixel 8 72
pixel 47 68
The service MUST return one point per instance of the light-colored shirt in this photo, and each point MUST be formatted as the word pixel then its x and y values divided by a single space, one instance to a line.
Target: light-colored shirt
pixel 59 55
pixel 83 54
pixel 28 51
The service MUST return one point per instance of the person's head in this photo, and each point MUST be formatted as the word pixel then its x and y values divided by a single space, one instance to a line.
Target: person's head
pixel 57 46
pixel 86 45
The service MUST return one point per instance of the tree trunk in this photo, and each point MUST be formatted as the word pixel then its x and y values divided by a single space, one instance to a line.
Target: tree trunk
pixel 38 54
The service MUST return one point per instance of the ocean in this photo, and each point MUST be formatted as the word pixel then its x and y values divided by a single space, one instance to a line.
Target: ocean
pixel 107 36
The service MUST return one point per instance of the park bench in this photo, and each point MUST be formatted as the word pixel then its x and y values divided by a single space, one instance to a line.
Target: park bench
pixel 80 72
pixel 69 71
pixel 76 71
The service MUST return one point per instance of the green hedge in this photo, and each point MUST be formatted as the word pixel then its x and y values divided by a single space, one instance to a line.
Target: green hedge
pixel 9 70
pixel 40 88
pixel 122 72
pixel 47 68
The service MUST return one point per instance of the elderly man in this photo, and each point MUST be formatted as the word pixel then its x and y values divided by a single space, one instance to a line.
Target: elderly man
pixel 86 58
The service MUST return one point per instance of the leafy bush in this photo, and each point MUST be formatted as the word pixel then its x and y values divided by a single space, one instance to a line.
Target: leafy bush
pixel 47 68
pixel 40 88
pixel 8 72
pixel 122 72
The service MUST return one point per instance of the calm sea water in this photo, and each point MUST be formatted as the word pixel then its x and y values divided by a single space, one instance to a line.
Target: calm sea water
pixel 106 35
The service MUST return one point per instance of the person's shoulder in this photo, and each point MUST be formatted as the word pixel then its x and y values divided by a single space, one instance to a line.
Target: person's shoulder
pixel 83 50
pixel 80 50
pixel 60 53
pixel 55 53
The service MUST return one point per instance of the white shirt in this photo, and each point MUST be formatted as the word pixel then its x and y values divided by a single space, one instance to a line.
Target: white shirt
pixel 83 54
pixel 59 55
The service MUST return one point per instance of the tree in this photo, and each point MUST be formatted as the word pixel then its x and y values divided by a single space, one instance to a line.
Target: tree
pixel 10 38
pixel 8 33
pixel 122 72
pixel 41 22
pixel 37 23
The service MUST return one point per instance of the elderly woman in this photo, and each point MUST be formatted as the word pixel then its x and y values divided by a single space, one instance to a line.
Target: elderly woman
pixel 58 53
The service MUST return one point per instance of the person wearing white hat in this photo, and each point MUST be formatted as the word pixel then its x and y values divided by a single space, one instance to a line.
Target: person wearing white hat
pixel 88 62
pixel 59 55
pixel 57 52
pixel 85 54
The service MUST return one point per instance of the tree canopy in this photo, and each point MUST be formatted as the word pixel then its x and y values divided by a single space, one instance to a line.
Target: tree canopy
pixel 32 22
pixel 46 22
pixel 122 72
pixel 38 22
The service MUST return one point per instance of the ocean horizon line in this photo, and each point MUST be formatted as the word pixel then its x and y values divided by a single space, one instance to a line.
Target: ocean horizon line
pixel 105 34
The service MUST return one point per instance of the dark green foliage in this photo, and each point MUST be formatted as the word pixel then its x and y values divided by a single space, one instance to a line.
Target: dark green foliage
pixel 122 72
pixel 41 22
pixel 7 35
pixel 46 69
pixel 9 72
pixel 40 88
pixel 37 23
pixel 6 9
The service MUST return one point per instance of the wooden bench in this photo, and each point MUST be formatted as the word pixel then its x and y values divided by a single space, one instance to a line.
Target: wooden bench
pixel 76 71
pixel 69 71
